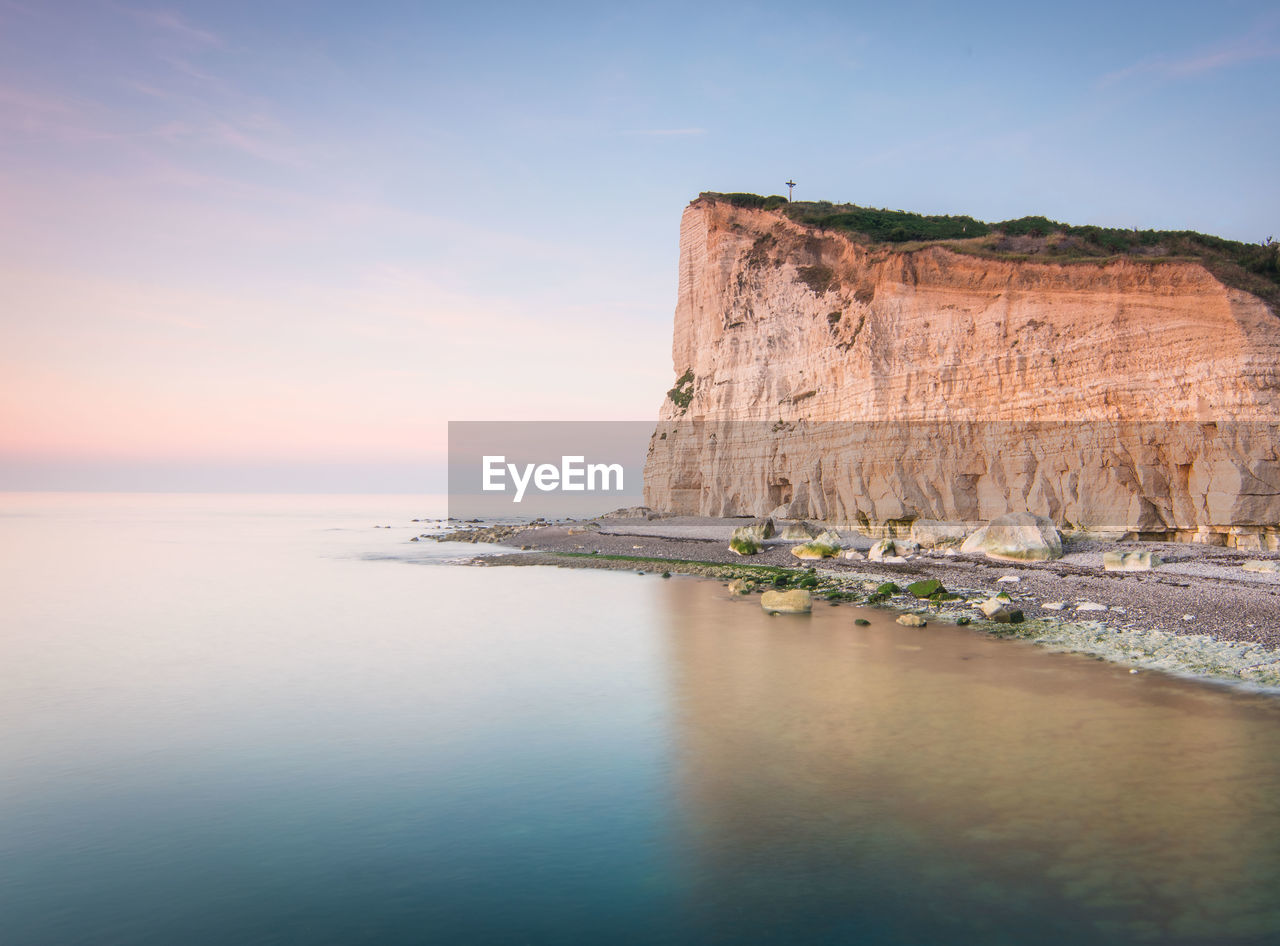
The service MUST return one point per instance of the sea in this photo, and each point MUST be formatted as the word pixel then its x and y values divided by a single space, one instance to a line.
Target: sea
pixel 235 719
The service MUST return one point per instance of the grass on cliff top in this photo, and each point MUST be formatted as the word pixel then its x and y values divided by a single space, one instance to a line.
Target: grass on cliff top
pixel 1252 267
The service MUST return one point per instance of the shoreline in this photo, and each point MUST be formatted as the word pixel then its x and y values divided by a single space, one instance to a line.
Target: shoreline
pixel 1198 615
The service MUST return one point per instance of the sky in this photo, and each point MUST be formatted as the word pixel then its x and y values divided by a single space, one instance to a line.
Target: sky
pixel 278 246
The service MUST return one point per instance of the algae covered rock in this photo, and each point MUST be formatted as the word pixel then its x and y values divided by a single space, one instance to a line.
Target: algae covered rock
pixel 796 601
pixel 741 586
pixel 830 538
pixel 926 588
pixel 632 512
pixel 743 545
pixel 814 549
pixel 756 531
pixel 1016 537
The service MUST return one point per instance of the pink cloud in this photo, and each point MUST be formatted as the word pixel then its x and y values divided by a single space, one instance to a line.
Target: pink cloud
pixel 166 21
pixel 1225 57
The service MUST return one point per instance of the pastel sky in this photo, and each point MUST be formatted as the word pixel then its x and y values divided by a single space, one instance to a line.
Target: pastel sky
pixel 276 246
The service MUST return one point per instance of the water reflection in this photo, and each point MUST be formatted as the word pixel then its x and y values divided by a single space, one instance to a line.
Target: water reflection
pixel 926 783
pixel 220 722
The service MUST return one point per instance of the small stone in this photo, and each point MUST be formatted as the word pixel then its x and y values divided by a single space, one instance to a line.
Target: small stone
pixel 1007 615
pixel 962 620
pixel 1007 579
pixel 1090 606
pixel 741 586
pixel 861 622
pixel 851 554
pixel 1054 605
pixel 912 620
pixel 990 606
pixel 1261 567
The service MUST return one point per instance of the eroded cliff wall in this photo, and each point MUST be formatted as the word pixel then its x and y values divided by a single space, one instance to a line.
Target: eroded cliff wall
pixel 861 384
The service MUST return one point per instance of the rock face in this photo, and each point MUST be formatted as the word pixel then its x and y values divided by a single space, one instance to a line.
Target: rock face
pixel 869 387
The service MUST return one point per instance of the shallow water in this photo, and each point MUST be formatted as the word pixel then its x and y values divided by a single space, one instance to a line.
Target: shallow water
pixel 262 720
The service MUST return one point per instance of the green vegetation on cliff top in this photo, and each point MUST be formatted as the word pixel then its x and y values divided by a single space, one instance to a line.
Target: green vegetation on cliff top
pixel 1250 266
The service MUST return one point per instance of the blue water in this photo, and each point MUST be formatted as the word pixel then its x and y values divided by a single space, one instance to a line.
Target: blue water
pixel 263 720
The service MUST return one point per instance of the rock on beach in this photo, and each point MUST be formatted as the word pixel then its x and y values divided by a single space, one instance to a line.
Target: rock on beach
pixel 1016 537
pixel 795 601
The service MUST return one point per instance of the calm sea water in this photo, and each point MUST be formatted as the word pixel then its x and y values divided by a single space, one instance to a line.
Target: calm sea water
pixel 253 720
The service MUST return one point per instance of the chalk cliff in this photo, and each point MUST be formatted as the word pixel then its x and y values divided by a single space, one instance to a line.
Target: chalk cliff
pixel 823 376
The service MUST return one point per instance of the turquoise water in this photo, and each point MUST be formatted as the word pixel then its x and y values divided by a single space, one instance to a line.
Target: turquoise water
pixel 262 720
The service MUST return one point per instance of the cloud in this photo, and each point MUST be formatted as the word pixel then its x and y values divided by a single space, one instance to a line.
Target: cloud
pixel 166 21
pixel 667 132
pixel 1202 63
